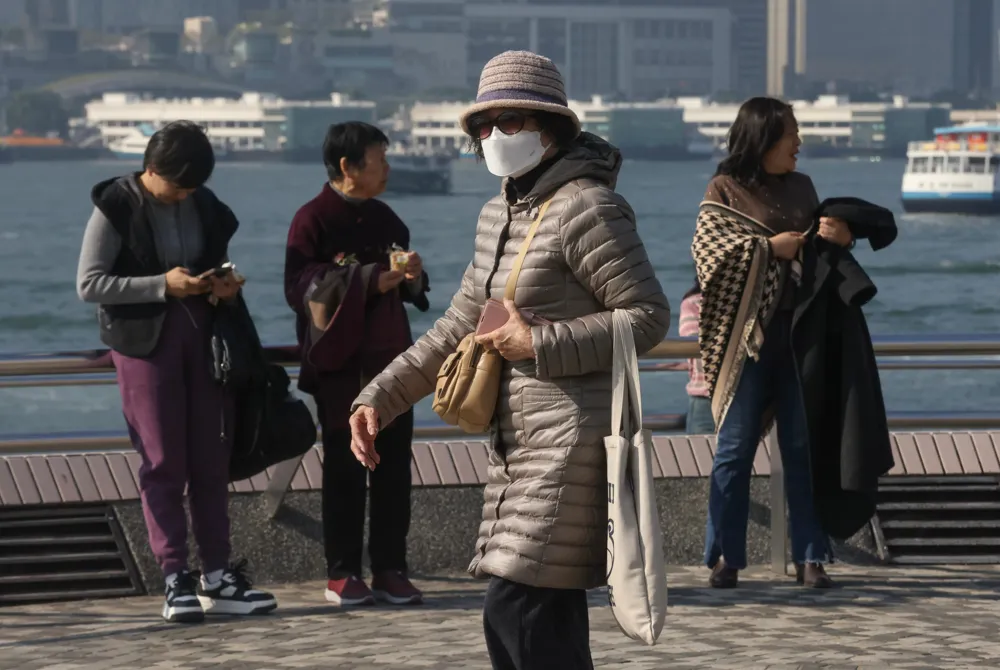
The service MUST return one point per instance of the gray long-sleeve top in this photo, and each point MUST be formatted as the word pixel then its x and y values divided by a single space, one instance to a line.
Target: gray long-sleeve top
pixel 178 235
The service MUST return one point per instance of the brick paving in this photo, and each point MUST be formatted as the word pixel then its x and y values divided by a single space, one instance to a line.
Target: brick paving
pixel 878 618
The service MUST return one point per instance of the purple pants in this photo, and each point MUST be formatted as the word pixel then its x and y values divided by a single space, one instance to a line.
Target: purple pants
pixel 180 421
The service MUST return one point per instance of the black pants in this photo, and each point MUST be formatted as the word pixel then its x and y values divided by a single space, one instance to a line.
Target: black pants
pixel 344 498
pixel 529 627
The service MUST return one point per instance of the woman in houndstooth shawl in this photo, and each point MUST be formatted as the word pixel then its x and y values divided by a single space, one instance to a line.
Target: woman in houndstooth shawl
pixel 750 230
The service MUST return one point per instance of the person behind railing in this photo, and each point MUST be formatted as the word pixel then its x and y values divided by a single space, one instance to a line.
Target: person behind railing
pixel 751 227
pixel 348 272
pixel 543 539
pixel 150 236
pixel 699 419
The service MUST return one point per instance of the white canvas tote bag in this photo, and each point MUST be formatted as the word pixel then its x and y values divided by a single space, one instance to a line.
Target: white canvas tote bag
pixel 637 581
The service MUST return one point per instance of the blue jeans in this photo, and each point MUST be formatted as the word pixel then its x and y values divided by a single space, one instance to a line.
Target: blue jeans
pixel 772 378
pixel 699 420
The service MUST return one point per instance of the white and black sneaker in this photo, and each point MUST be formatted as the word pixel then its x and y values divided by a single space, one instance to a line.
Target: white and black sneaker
pixel 234 594
pixel 182 604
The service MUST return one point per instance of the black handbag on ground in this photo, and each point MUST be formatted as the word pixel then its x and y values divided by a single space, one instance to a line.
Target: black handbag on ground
pixel 271 423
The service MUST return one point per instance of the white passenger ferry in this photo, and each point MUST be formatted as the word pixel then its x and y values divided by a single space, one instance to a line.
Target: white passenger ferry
pixel 132 146
pixel 954 173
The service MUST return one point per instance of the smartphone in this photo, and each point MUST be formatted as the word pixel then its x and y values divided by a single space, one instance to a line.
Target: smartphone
pixel 495 315
pixel 221 271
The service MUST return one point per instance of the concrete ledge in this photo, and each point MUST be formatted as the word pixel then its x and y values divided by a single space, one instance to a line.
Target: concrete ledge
pixel 53 479
pixel 445 520
pixel 447 500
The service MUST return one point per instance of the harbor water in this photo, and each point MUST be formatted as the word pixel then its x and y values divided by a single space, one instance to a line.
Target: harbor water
pixel 941 276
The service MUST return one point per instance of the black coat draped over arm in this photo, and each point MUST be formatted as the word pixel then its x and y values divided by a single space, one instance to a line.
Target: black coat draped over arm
pixel 842 393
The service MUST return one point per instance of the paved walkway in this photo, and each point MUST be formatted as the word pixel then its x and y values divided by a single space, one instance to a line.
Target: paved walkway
pixel 885 617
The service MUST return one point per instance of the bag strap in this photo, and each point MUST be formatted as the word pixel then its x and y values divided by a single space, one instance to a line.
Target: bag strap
pixel 626 394
pixel 519 261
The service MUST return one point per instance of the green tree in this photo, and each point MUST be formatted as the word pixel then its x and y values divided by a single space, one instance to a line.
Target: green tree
pixel 38 113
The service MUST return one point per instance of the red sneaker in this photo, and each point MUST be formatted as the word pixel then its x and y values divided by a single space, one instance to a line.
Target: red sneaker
pixel 393 587
pixel 349 591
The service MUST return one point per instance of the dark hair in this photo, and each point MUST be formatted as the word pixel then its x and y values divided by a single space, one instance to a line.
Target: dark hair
pixel 349 140
pixel 759 125
pixel 181 153
pixel 694 290
pixel 560 127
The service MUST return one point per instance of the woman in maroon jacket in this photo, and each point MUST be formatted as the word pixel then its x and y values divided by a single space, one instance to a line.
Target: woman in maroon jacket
pixel 350 323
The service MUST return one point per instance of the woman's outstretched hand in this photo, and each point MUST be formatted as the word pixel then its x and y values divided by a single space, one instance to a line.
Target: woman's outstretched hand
pixel 513 339
pixel 364 428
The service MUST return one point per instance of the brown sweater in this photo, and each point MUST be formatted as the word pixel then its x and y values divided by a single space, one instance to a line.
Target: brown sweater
pixel 785 203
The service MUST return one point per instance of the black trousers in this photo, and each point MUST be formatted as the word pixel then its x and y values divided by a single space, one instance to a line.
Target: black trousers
pixel 534 628
pixel 345 496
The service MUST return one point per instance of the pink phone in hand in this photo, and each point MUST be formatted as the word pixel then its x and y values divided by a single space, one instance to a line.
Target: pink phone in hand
pixel 495 315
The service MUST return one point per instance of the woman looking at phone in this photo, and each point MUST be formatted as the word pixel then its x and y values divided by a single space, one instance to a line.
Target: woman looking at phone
pixel 543 539
pixel 148 259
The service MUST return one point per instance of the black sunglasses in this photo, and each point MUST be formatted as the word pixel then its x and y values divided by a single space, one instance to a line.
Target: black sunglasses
pixel 508 123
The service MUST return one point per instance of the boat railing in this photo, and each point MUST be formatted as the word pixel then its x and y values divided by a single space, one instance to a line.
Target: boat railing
pixel 92 368
pixel 956 146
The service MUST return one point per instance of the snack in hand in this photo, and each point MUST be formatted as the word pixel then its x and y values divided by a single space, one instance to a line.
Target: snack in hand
pixel 398 260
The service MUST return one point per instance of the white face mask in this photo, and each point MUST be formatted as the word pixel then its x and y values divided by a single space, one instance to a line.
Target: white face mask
pixel 513 155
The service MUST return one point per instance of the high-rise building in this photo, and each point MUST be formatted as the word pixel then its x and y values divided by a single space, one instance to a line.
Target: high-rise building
pixel 911 47
pixel 749 39
pixel 636 49
pixel 976 64
pixel 429 43
pixel 123 16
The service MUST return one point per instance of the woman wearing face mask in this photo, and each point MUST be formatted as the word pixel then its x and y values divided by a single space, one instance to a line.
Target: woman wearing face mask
pixel 543 540
pixel 757 209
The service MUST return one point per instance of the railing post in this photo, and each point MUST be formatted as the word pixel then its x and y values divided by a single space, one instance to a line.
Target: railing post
pixel 779 516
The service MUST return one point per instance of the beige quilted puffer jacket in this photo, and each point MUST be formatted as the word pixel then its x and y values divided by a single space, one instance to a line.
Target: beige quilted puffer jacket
pixel 545 513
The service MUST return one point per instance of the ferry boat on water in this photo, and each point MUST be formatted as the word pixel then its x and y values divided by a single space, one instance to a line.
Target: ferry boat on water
pixel 132 146
pixel 954 173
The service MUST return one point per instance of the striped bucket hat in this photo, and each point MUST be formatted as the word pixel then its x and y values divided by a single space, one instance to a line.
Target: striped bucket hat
pixel 520 80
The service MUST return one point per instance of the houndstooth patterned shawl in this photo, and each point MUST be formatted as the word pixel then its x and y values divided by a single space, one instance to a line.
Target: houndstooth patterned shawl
pixel 740 281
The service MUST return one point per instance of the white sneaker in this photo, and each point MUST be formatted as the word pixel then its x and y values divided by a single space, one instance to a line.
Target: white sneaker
pixel 182 603
pixel 234 594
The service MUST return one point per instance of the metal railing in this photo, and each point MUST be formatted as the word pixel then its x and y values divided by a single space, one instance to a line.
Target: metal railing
pixel 92 368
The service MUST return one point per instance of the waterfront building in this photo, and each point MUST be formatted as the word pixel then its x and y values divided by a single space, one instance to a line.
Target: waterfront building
pixel 830 125
pixel 253 122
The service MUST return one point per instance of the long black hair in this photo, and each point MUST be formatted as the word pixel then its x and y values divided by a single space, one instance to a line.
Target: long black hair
pixel 694 290
pixel 760 124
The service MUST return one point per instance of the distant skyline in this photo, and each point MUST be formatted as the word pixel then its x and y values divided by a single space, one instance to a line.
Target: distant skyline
pixel 911 47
